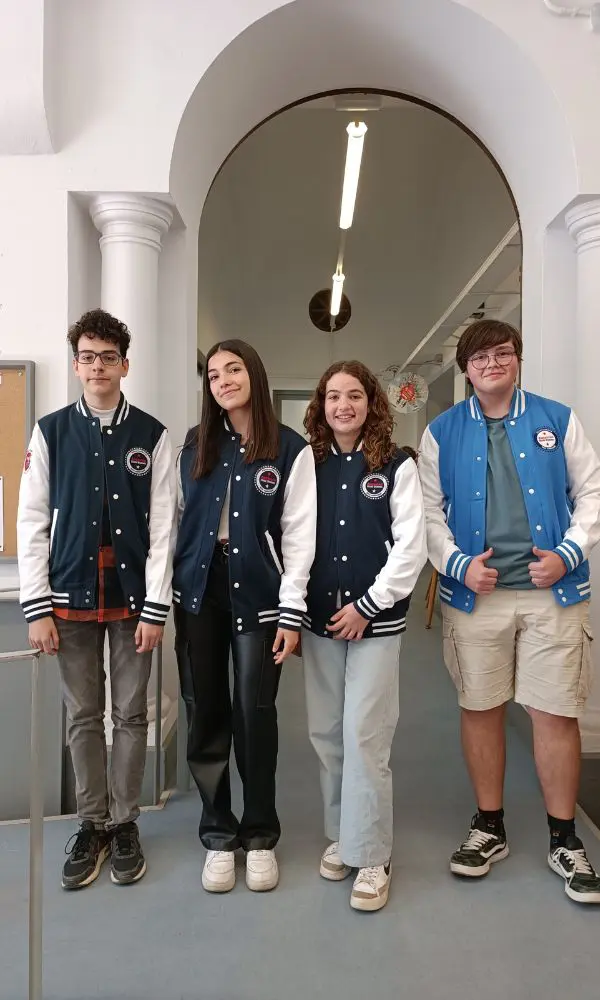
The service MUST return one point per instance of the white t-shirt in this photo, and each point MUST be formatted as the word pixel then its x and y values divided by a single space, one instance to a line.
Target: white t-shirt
pixel 104 416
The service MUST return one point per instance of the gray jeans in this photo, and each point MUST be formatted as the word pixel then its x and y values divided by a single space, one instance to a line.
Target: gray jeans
pixel 105 798
pixel 353 705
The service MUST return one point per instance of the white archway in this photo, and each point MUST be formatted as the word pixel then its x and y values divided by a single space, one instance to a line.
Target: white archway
pixel 437 51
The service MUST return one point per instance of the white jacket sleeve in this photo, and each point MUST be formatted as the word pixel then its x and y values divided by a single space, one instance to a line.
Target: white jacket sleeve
pixel 34 530
pixel 163 530
pixel 408 555
pixel 583 471
pixel 299 531
pixel 442 548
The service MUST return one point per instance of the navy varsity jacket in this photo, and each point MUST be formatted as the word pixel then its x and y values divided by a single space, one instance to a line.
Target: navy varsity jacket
pixel 272 523
pixel 370 542
pixel 70 465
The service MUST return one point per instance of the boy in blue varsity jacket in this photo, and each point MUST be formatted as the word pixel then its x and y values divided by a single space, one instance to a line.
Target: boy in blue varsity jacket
pixel 512 496
pixel 247 501
pixel 96 533
pixel 370 550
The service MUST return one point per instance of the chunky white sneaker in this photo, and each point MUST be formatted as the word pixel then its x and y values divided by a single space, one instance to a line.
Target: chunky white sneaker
pixel 332 867
pixel 262 873
pixel 371 888
pixel 219 871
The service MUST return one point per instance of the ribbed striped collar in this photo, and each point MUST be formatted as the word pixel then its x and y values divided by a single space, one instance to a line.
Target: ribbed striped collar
pixel 357 447
pixel 120 415
pixel 518 405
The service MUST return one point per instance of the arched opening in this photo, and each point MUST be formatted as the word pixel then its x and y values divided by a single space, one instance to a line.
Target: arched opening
pixel 467 68
pixel 435 241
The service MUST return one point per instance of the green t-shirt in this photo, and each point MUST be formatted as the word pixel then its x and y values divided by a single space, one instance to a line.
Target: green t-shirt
pixel 507 529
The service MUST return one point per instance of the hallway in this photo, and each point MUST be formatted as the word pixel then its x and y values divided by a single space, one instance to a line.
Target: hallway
pixel 513 934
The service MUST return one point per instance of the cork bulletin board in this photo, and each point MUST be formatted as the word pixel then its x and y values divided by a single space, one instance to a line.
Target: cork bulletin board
pixel 16 425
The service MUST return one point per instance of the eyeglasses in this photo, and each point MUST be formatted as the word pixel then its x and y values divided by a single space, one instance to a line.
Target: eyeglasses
pixel 109 358
pixel 481 361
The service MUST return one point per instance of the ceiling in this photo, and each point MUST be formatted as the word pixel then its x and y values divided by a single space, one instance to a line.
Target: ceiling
pixel 434 237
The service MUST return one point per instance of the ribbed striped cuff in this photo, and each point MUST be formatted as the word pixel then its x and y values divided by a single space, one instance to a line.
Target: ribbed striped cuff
pixel 458 565
pixel 570 553
pixel 40 607
pixel 366 606
pixel 291 619
pixel 154 614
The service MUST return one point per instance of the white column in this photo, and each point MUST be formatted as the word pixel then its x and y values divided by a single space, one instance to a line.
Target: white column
pixel 132 228
pixel 583 223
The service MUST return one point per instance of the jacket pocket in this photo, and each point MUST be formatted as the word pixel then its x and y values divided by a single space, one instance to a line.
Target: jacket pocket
pixel 53 527
pixel 274 555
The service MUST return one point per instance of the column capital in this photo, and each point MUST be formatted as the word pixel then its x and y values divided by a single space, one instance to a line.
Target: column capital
pixel 130 218
pixel 583 223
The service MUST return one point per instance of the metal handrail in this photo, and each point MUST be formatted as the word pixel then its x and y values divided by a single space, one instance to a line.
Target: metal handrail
pixel 36 821
pixel 156 790
pixel 36 799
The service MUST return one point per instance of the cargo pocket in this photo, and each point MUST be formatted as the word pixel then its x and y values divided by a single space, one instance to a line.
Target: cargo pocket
pixel 451 655
pixel 585 675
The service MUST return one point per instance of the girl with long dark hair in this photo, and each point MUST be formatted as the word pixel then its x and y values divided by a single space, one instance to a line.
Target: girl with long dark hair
pixel 245 546
pixel 370 551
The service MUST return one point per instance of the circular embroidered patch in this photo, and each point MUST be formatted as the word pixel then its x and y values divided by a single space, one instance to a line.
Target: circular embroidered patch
pixel 267 480
pixel 374 486
pixel 27 462
pixel 546 439
pixel 138 461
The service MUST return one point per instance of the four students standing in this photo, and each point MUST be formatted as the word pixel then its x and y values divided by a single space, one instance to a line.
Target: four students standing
pixel 275 535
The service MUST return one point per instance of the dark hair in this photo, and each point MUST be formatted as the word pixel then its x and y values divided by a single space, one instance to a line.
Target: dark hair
pixel 482 335
pixel 101 324
pixel 408 450
pixel 377 445
pixel 263 432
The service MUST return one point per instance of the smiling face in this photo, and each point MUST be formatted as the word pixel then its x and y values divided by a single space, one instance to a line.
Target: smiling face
pixel 494 371
pixel 229 381
pixel 346 405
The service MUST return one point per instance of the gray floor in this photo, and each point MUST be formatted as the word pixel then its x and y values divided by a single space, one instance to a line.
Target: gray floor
pixel 514 934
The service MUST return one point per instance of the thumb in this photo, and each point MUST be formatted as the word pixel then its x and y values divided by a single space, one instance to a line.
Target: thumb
pixel 485 555
pixel 538 552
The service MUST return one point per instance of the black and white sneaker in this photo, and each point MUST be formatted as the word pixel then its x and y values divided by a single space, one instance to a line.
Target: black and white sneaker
pixel 127 861
pixel 480 850
pixel 85 858
pixel 571 862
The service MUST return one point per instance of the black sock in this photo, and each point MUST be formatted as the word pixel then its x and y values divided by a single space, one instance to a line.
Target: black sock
pixel 560 829
pixel 494 820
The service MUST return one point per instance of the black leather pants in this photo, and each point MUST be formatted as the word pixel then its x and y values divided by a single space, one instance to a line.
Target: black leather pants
pixel 202 645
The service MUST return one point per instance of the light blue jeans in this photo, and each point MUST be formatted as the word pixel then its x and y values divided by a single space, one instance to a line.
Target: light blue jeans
pixel 352 703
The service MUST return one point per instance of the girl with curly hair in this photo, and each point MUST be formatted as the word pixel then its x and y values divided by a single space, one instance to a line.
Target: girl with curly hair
pixel 370 551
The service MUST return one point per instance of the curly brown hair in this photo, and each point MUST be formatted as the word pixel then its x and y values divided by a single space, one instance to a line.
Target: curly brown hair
pixel 377 445
pixel 99 323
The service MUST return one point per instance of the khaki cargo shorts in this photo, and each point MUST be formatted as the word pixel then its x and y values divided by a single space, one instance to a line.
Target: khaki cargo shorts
pixel 520 644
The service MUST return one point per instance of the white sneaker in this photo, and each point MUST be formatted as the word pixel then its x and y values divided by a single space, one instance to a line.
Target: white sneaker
pixel 332 867
pixel 219 871
pixel 262 873
pixel 371 887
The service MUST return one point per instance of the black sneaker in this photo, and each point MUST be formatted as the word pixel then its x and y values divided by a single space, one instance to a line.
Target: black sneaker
pixel 127 861
pixel 90 849
pixel 480 850
pixel 571 862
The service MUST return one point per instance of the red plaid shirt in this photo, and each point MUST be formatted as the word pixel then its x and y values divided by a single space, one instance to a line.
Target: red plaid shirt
pixel 111 602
